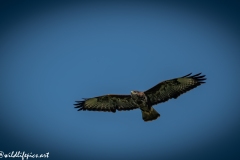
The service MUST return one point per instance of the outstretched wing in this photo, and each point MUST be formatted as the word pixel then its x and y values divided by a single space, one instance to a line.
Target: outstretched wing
pixel 107 103
pixel 173 88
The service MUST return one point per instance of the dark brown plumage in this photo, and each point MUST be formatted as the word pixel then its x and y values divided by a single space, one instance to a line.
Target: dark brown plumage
pixel 161 92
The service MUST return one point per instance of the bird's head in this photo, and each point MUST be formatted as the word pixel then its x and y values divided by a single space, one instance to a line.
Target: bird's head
pixel 137 95
pixel 134 92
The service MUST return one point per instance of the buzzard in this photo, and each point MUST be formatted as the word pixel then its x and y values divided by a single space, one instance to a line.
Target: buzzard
pixel 161 92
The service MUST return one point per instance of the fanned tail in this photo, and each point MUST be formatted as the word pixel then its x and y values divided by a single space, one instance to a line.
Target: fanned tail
pixel 150 115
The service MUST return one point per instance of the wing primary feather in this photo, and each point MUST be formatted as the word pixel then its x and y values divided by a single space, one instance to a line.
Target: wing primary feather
pixel 80 105
pixel 195 75
pixel 186 75
pixel 199 77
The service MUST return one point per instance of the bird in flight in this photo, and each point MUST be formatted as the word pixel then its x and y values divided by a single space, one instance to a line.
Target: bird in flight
pixel 161 92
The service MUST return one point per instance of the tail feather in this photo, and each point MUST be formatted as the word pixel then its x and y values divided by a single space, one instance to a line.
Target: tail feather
pixel 150 115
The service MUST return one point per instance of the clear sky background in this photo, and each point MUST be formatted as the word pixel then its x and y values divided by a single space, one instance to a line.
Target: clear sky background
pixel 54 53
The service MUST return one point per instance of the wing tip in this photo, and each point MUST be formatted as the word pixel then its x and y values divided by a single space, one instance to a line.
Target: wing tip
pixel 80 104
pixel 199 77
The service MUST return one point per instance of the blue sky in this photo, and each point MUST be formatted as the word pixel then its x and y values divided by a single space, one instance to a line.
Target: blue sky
pixel 53 55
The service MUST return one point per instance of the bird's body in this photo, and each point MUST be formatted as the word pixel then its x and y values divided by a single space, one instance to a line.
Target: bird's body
pixel 143 100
